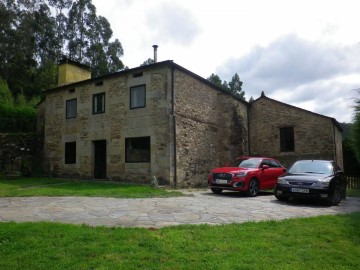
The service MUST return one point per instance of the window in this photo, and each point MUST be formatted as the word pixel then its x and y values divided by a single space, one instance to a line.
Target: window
pixel 287 139
pixel 137 149
pixel 99 103
pixel 71 108
pixel 137 75
pixel 137 96
pixel 70 153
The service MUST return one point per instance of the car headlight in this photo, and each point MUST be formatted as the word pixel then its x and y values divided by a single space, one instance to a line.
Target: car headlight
pixel 240 174
pixel 282 181
pixel 322 184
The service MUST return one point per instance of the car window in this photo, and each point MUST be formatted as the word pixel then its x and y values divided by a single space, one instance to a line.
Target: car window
pixel 250 163
pixel 274 164
pixel 319 167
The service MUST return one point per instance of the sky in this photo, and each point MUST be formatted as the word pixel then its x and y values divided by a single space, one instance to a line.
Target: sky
pixel 302 52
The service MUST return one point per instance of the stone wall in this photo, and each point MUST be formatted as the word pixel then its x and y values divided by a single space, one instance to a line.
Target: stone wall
pixel 211 129
pixel 313 133
pixel 117 123
pixel 27 146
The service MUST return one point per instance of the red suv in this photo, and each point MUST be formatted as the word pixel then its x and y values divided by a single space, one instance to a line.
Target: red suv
pixel 249 174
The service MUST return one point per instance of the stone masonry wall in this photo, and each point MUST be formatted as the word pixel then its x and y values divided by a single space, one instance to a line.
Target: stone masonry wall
pixel 114 125
pixel 313 134
pixel 27 146
pixel 210 129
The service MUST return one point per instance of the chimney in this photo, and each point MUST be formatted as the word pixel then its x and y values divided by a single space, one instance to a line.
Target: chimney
pixel 155 53
pixel 71 71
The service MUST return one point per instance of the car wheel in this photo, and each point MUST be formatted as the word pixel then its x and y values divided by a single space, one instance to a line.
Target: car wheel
pixel 334 197
pixel 216 190
pixel 253 187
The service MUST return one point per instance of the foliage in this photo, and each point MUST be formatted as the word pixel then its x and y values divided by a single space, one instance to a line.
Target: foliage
pixel 20 118
pixel 351 165
pixel 149 61
pixel 63 187
pixel 36 34
pixel 234 86
pixel 6 97
pixel 325 242
pixel 355 129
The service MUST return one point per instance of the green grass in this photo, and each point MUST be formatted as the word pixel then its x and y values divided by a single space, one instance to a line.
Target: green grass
pixel 324 242
pixel 61 187
pixel 353 193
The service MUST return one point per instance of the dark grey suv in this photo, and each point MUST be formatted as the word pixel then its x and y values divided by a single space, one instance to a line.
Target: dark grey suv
pixel 312 178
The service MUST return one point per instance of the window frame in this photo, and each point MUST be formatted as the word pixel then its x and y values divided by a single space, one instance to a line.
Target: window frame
pixel 95 96
pixel 287 139
pixel 127 140
pixel 70 152
pixel 131 95
pixel 67 116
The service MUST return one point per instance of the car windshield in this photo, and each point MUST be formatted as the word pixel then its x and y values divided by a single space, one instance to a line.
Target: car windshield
pixel 250 163
pixel 312 166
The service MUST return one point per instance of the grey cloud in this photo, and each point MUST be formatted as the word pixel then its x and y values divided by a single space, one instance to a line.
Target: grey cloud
pixel 300 71
pixel 290 62
pixel 173 23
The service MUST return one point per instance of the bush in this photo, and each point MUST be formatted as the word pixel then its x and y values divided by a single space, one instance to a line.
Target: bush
pixel 17 119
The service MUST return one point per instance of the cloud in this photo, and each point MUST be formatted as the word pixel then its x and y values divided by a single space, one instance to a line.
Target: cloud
pixel 173 23
pixel 311 75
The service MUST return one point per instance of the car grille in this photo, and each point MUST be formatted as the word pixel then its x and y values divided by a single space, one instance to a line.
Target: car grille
pixel 225 176
pixel 301 183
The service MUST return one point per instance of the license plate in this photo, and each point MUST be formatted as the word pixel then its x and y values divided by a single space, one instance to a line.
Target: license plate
pixel 300 190
pixel 221 181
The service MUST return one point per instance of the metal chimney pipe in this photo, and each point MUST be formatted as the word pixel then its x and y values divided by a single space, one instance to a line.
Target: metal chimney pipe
pixel 155 53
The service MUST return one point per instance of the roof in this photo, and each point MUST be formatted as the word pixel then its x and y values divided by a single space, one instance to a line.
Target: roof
pixel 335 122
pixel 168 63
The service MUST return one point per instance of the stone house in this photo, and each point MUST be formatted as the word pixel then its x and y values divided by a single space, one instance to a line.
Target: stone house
pixel 289 133
pixel 163 120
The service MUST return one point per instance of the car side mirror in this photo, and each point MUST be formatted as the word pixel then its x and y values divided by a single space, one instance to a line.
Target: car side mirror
pixel 265 167
pixel 339 173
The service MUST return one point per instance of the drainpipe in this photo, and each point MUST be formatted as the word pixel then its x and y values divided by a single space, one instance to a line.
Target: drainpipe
pixel 248 125
pixel 334 132
pixel 174 125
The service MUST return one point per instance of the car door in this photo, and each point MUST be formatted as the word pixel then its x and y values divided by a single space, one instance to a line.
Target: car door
pixel 266 174
pixel 275 170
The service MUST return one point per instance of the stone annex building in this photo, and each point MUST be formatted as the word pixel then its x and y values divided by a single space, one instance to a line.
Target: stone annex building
pixel 163 120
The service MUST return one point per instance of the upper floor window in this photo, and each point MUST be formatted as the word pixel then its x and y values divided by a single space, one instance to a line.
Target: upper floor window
pixel 71 108
pixel 99 103
pixel 137 96
pixel 287 143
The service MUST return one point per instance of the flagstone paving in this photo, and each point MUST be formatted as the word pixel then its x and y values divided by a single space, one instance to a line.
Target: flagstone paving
pixel 199 207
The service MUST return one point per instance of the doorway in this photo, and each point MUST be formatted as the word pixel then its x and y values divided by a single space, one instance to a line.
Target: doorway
pixel 100 159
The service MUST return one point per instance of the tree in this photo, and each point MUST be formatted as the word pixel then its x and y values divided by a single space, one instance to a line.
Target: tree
pixel 236 86
pixel 36 34
pixel 215 79
pixel 89 39
pixel 6 97
pixel 355 129
pixel 149 61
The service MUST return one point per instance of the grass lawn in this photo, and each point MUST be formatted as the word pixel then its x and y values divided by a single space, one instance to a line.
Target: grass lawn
pixel 63 187
pixel 325 242
pixel 353 193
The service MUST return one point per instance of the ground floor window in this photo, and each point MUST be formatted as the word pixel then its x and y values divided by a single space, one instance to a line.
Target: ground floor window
pixel 70 152
pixel 137 149
pixel 287 139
